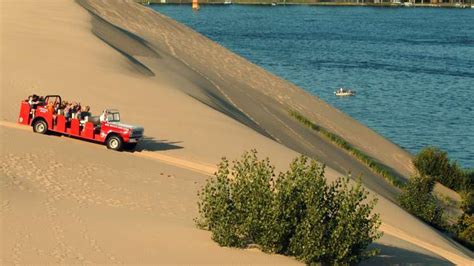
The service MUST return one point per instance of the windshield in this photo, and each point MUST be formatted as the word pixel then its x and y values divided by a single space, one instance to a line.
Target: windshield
pixel 113 117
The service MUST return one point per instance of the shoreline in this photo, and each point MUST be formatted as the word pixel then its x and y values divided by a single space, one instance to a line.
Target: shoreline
pixel 67 202
pixel 308 3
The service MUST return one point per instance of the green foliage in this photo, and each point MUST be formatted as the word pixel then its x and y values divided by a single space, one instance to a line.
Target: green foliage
pixel 416 197
pixel 464 230
pixel 296 214
pixel 467 204
pixel 236 210
pixel 367 160
pixel 434 162
pixel 334 225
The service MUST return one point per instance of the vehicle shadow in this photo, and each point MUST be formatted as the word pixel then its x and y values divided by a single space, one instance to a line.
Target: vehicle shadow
pixel 152 144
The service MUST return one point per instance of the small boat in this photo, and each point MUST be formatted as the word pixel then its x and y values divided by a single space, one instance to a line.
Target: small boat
pixel 274 4
pixel 227 2
pixel 344 92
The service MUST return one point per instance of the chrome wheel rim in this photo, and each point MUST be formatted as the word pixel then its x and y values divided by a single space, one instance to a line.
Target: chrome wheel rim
pixel 113 143
pixel 40 127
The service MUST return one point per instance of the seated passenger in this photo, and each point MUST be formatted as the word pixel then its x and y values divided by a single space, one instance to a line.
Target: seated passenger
pixel 61 107
pixel 68 111
pixel 50 107
pixel 85 114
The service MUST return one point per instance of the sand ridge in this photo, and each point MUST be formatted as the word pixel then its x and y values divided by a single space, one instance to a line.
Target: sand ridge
pixel 226 82
pixel 104 207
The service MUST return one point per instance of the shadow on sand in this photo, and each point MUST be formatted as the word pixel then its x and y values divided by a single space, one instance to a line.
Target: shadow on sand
pixel 390 255
pixel 152 144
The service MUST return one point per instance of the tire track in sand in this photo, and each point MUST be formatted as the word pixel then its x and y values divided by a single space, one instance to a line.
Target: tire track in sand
pixel 199 167
pixel 210 170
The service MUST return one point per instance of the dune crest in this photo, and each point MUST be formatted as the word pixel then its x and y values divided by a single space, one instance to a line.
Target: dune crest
pixel 69 201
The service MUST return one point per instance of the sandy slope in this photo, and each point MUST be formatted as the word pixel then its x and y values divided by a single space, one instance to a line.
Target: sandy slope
pixel 175 55
pixel 60 205
pixel 100 207
pixel 99 185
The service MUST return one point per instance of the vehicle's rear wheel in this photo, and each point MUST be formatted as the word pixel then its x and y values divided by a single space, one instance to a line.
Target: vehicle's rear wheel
pixel 40 126
pixel 114 143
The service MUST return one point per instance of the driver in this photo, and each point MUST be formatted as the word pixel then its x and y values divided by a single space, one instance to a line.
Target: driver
pixel 103 116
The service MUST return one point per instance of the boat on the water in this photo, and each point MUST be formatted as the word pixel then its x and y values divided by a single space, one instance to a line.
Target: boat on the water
pixel 344 92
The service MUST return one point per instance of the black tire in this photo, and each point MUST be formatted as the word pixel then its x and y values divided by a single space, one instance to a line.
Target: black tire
pixel 40 126
pixel 130 146
pixel 114 143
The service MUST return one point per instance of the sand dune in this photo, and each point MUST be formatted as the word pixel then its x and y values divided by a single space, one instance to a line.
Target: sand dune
pixel 226 82
pixel 79 191
pixel 65 201
pixel 59 207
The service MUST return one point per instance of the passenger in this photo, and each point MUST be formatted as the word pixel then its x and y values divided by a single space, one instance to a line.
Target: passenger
pixel 61 107
pixel 41 100
pixel 73 110
pixel 77 111
pixel 68 111
pixel 30 99
pixel 85 114
pixel 50 107
pixel 58 106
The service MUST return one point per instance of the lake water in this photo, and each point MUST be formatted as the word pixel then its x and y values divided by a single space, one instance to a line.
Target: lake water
pixel 412 68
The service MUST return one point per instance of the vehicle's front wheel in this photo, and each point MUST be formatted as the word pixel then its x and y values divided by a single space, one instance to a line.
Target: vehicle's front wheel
pixel 40 126
pixel 114 143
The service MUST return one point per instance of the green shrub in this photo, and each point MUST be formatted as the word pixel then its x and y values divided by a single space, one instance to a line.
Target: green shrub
pixel 416 197
pixel 464 230
pixel 434 162
pixel 431 161
pixel 334 223
pixel 296 214
pixel 468 184
pixel 236 205
pixel 467 205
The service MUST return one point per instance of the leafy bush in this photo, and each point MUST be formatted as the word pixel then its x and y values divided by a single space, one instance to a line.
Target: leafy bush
pixel 416 197
pixel 434 162
pixel 238 210
pixel 431 161
pixel 467 204
pixel 295 214
pixel 333 224
pixel 464 230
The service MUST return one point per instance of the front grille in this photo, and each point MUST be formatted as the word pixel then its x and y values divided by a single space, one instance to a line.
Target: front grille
pixel 137 133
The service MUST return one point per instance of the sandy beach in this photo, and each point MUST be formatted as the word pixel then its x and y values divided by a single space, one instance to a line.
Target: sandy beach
pixel 69 201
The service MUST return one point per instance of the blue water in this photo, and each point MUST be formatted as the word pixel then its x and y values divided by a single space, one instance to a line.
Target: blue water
pixel 412 68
